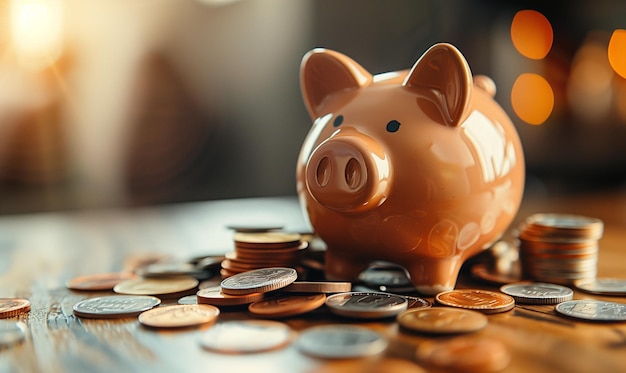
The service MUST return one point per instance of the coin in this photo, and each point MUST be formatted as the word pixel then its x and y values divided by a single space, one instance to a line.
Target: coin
pixel 593 310
pixel 114 306
pixel 10 307
pixel 168 269
pixel 246 336
pixel 442 320
pixel 179 316
pixel 99 281
pixel 156 286
pixel 417 302
pixel 603 286
pixel 269 238
pixel 284 306
pixel 216 297
pixel 538 292
pixel 464 354
pixel 259 280
pixel 318 287
pixel 366 305
pixel 189 299
pixel 253 228
pixel 11 332
pixel 484 301
pixel 340 341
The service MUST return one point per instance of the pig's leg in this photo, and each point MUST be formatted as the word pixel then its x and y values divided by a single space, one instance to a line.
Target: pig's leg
pixel 434 275
pixel 343 267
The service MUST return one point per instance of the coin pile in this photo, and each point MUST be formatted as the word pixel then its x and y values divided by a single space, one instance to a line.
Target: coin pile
pixel 255 250
pixel 559 248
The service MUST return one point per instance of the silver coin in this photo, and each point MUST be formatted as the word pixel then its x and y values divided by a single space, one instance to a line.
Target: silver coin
pixel 340 341
pixel 259 280
pixel 11 332
pixel 603 286
pixel 366 305
pixel 189 299
pixel 593 310
pixel 538 292
pixel 115 306
pixel 246 336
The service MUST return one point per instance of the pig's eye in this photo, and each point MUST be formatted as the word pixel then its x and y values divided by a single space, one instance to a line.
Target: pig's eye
pixel 338 121
pixel 393 126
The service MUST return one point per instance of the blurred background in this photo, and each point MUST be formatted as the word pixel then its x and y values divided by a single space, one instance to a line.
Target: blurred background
pixel 107 103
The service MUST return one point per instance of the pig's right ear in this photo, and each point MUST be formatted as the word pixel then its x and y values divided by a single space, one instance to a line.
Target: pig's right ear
pixel 324 72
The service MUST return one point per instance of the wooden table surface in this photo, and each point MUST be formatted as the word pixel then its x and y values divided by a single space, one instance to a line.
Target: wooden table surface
pixel 40 252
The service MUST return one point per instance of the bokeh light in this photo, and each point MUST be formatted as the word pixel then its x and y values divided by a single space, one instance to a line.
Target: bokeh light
pixel 617 52
pixel 532 98
pixel 531 33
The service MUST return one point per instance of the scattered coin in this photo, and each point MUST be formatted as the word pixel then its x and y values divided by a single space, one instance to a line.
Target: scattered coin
pixel 11 332
pixel 115 306
pixel 179 316
pixel 340 341
pixel 603 286
pixel 10 307
pixel 417 302
pixel 538 292
pixel 284 306
pixel 484 301
pixel 318 287
pixel 156 286
pixel 168 269
pixel 442 320
pixel 216 297
pixel 464 354
pixel 259 280
pixel 593 310
pixel 189 299
pixel 99 281
pixel 247 336
pixel 366 305
pixel 209 262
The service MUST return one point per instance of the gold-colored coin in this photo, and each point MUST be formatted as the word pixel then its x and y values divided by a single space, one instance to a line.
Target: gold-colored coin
pixel 156 286
pixel 10 307
pixel 484 301
pixel 179 316
pixel 285 306
pixel 318 287
pixel 442 320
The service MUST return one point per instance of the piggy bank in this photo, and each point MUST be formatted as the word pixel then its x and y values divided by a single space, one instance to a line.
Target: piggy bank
pixel 421 167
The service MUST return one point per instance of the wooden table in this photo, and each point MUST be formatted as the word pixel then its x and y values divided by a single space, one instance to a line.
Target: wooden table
pixel 40 252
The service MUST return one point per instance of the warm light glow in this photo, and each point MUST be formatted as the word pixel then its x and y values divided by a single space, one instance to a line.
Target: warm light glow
pixel 532 98
pixel 531 33
pixel 36 29
pixel 617 52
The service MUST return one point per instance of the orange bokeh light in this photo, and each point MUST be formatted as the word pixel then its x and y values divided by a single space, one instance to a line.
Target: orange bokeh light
pixel 531 33
pixel 532 98
pixel 617 52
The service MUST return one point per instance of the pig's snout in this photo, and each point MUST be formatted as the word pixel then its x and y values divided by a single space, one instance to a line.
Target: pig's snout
pixel 349 173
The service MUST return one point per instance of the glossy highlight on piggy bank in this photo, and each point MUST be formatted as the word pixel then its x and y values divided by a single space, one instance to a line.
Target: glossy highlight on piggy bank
pixel 419 167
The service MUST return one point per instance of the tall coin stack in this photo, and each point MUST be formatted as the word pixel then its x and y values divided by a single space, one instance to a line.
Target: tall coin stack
pixel 255 250
pixel 559 248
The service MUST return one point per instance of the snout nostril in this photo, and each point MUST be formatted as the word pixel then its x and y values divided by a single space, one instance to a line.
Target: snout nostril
pixel 353 173
pixel 323 172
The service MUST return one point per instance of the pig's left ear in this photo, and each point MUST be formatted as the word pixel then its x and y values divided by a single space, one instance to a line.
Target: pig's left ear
pixel 443 77
pixel 324 72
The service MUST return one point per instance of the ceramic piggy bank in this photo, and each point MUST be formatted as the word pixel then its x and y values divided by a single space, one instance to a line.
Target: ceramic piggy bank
pixel 420 167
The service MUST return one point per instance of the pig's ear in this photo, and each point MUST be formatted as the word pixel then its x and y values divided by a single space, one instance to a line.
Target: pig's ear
pixel 443 77
pixel 324 72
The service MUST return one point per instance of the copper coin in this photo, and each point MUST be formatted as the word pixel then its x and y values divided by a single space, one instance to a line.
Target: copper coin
pixel 10 307
pixel 285 306
pixel 442 320
pixel 247 336
pixel 156 286
pixel 464 354
pixel 179 316
pixel 484 301
pixel 99 281
pixel 259 280
pixel 115 306
pixel 318 287
pixel 216 297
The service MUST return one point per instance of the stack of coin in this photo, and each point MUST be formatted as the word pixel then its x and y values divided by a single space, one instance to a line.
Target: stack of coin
pixel 559 248
pixel 255 250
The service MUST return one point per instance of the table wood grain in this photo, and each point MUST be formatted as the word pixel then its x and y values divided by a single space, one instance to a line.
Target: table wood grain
pixel 40 252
